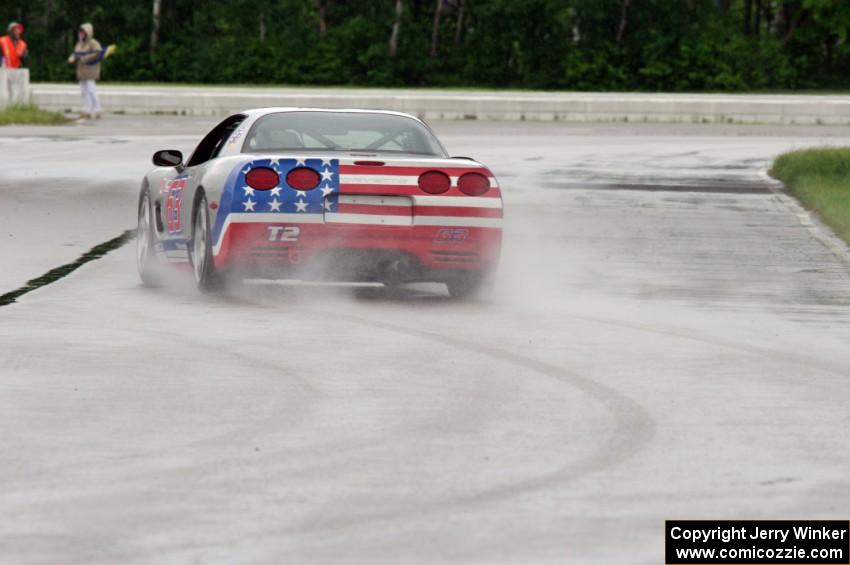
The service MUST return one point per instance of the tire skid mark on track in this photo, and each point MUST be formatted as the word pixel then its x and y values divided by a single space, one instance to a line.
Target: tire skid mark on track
pixel 634 428
pixel 633 431
pixel 632 419
pixel 590 386
pixel 63 271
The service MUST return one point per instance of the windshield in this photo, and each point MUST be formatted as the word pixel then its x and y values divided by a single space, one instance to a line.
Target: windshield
pixel 341 131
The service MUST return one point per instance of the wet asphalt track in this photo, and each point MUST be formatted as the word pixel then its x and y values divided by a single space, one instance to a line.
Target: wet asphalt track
pixel 667 339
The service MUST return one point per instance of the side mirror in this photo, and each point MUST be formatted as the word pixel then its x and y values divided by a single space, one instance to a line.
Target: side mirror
pixel 168 158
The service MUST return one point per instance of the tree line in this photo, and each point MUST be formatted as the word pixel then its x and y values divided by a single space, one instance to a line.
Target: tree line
pixel 651 45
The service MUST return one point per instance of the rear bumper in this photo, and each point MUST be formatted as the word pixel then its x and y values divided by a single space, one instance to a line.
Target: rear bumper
pixel 359 252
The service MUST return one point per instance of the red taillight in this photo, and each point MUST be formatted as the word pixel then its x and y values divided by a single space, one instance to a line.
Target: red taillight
pixel 303 178
pixel 262 178
pixel 434 182
pixel 473 184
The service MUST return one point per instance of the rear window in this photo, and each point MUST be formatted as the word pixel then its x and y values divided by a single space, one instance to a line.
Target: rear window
pixel 341 131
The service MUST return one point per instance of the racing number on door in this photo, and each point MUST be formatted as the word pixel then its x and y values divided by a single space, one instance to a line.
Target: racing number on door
pixel 174 189
pixel 283 233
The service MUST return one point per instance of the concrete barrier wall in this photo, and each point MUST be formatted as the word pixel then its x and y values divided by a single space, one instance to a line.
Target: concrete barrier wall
pixel 477 105
pixel 14 86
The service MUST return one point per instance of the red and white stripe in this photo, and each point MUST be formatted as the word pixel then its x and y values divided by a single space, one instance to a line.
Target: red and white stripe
pixel 390 195
pixel 372 209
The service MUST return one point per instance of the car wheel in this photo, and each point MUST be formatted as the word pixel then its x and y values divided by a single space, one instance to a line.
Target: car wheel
pixel 468 286
pixel 201 249
pixel 146 258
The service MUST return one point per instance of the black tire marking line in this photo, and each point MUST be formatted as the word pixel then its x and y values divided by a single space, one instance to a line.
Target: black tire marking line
pixel 633 431
pixel 631 418
pixel 63 271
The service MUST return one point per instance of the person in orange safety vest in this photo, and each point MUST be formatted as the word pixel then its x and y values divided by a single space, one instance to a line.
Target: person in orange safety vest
pixel 13 49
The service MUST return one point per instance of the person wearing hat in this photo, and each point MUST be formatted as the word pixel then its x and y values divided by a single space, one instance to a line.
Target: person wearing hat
pixel 13 49
pixel 87 56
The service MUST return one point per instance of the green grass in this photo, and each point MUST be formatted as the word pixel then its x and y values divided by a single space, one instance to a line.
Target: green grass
pixel 30 114
pixel 820 179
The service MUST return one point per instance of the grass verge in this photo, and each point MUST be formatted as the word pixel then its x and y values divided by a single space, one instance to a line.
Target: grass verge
pixel 820 179
pixel 30 114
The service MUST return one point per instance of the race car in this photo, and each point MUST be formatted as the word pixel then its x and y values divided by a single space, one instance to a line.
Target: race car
pixel 317 194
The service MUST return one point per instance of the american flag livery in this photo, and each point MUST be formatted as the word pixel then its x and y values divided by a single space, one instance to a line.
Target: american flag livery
pixel 369 195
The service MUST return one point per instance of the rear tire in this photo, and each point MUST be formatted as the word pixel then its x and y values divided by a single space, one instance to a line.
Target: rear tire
pixel 206 277
pixel 147 262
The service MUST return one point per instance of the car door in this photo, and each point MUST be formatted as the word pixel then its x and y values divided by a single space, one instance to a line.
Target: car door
pixel 178 187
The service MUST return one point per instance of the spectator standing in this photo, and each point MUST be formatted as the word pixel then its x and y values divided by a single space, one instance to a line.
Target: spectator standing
pixel 13 48
pixel 87 56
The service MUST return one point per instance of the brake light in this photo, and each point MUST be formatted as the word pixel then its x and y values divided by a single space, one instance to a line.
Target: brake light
pixel 434 182
pixel 303 178
pixel 473 184
pixel 262 178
